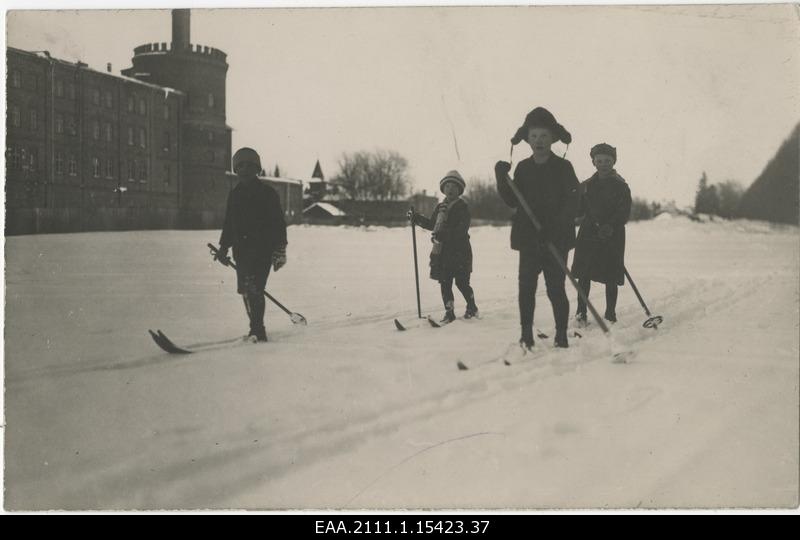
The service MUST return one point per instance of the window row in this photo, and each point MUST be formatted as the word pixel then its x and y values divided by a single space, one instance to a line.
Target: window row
pixel 63 89
pixel 21 158
pixel 15 117
pixel 15 80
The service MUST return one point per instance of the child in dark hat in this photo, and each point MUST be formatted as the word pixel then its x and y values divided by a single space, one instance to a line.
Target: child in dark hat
pixel 255 229
pixel 451 255
pixel 549 186
pixel 605 206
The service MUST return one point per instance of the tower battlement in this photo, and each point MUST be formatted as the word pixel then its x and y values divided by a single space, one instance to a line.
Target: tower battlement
pixel 203 51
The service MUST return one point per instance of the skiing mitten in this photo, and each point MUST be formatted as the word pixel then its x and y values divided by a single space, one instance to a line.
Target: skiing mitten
pixel 222 256
pixel 501 169
pixel 279 258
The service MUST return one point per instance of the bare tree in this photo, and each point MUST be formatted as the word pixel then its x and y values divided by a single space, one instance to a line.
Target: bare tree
pixel 380 175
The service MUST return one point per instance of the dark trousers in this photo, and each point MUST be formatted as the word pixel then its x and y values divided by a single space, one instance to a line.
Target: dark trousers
pixel 532 262
pixel 252 272
pixel 462 282
pixel 611 298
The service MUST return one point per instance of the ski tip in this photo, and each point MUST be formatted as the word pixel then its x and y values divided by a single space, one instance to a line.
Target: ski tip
pixel 399 326
pixel 462 366
pixel 622 357
pixel 433 323
pixel 506 362
pixel 576 334
pixel 542 335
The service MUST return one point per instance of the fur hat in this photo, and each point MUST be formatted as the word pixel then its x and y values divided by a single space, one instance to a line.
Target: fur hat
pixel 246 155
pixel 541 117
pixel 453 176
pixel 605 149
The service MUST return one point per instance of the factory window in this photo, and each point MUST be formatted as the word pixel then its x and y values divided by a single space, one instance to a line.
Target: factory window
pixel 109 100
pixel 73 166
pixel 16 79
pixel 33 158
pixel 96 130
pixel 130 103
pixel 211 136
pixel 109 132
pixel 166 141
pixel 59 88
pixel 142 138
pixel 142 106
pixel 95 96
pixel 59 123
pixel 15 118
pixel 96 167
pixel 131 171
pixel 109 168
pixel 143 171
pixel 71 125
pixel 59 163
pixel 166 111
pixel 210 101
pixel 71 91
pixel 34 120
pixel 130 136
pixel 167 174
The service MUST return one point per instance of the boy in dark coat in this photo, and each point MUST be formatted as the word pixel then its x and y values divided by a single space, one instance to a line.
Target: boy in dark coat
pixel 549 185
pixel 600 252
pixel 451 255
pixel 255 229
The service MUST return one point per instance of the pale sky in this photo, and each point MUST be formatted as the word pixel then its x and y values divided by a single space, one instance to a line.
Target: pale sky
pixel 678 90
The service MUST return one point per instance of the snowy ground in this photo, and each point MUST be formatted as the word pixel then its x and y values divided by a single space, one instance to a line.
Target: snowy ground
pixel 350 413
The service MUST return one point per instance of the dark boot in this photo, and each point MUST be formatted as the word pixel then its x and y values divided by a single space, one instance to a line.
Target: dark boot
pixel 561 339
pixel 472 309
pixel 611 303
pixel 526 340
pixel 257 306
pixel 449 316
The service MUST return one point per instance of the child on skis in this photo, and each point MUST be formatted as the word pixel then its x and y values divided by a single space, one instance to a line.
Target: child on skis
pixel 605 206
pixel 255 229
pixel 548 184
pixel 451 255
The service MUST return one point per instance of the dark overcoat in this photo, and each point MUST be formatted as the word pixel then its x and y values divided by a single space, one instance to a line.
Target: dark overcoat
pixel 603 201
pixel 551 190
pixel 254 225
pixel 455 258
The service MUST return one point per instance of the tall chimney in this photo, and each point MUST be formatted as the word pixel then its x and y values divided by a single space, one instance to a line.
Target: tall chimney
pixel 180 29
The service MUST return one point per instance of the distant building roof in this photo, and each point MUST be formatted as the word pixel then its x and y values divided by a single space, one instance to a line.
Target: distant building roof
pixel 318 172
pixel 327 207
pixel 281 180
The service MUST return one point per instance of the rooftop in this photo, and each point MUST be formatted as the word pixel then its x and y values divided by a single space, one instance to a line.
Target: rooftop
pixel 45 56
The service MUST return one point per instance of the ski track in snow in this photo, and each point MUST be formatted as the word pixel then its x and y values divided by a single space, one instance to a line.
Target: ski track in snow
pixel 349 382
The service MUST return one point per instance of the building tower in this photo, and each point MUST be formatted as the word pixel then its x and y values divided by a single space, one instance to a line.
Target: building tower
pixel 199 72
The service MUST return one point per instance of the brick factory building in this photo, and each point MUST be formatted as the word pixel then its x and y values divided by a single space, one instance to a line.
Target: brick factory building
pixel 148 149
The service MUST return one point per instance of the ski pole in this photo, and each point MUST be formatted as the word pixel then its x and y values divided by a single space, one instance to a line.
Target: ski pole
pixel 296 317
pixel 416 266
pixel 654 320
pixel 556 254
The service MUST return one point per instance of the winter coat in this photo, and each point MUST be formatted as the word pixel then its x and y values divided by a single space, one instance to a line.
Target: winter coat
pixel 604 201
pixel 551 190
pixel 455 258
pixel 254 224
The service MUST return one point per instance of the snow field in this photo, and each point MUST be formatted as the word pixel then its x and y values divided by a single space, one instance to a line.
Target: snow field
pixel 350 413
